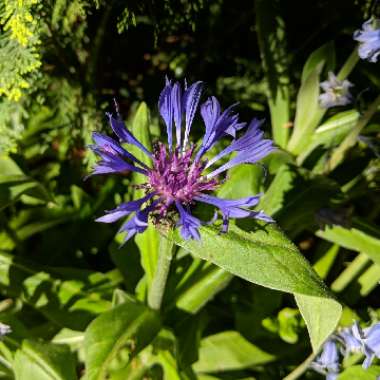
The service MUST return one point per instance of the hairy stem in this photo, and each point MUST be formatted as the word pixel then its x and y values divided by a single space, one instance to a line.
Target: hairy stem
pixel 157 290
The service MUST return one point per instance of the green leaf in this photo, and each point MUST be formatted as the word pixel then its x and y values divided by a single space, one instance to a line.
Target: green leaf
pixel 360 237
pixel 326 54
pixel 67 298
pixel 229 351
pixel 130 326
pixel 294 197
pixel 266 257
pixel 44 361
pixel 14 184
pixel 332 132
pixel 272 42
pixel 358 373
pixel 200 284
pixel 244 180
pixel 325 259
pixel 309 113
pixel 288 325
pixel 147 241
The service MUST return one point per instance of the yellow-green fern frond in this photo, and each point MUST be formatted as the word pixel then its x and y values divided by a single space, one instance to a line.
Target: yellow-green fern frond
pixel 19 55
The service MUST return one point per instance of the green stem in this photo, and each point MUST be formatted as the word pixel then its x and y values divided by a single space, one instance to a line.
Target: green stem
pixel 351 139
pixel 157 289
pixel 349 65
pixel 298 371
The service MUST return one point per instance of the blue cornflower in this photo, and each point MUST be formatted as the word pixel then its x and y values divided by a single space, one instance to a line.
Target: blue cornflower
pixel 4 330
pixel 327 363
pixel 336 92
pixel 369 40
pixel 370 342
pixel 179 176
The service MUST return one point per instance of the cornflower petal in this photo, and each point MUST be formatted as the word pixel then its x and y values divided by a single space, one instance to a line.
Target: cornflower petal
pixel 108 144
pixel 217 125
pixel 210 111
pixel 124 209
pixel 177 110
pixel 189 224
pixel 235 208
pixel 111 163
pixel 252 136
pixel 246 156
pixel 166 110
pixel 191 99
pixel 138 223
pixel 124 135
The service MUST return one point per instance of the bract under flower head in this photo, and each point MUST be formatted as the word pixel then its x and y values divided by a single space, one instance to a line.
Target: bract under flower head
pixel 336 92
pixel 369 40
pixel 179 176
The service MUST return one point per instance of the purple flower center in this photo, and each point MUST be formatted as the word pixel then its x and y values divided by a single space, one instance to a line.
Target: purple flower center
pixel 177 177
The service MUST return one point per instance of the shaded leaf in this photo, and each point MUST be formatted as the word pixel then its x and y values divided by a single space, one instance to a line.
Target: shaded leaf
pixel 228 351
pixel 44 361
pixel 130 326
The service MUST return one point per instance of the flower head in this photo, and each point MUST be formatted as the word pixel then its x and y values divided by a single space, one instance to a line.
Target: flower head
pixel 369 40
pixel 179 176
pixel 336 92
pixel 327 363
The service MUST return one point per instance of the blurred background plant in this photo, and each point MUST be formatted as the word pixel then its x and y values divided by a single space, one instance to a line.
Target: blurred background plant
pixel 62 64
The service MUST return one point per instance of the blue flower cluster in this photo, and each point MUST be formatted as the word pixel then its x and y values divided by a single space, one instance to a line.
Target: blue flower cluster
pixel 369 40
pixel 350 340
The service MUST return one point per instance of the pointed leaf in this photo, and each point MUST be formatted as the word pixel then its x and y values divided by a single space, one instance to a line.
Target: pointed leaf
pixel 266 257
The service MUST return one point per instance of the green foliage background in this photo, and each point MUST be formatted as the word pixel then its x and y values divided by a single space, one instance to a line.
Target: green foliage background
pixel 74 300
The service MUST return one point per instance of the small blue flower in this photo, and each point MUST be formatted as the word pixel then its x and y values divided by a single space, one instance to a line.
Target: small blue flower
pixel 179 176
pixel 350 343
pixel 336 92
pixel 4 330
pixel 327 363
pixel 370 342
pixel 369 40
